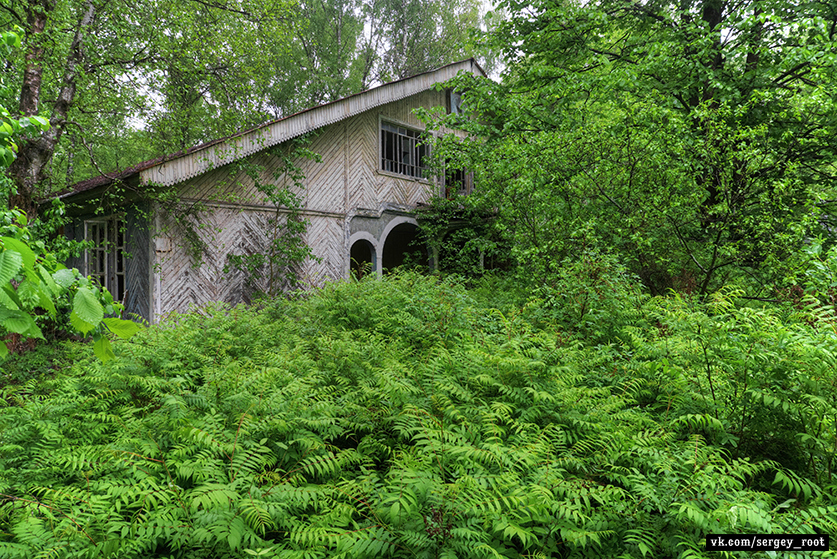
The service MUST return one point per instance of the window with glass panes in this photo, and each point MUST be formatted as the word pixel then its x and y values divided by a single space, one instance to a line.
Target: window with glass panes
pixel 402 150
pixel 105 260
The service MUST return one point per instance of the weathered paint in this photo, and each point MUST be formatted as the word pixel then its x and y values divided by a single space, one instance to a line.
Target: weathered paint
pixel 344 194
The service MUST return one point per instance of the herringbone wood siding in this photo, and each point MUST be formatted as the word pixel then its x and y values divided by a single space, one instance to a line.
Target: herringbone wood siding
pixel 324 186
pixel 325 236
pixel 225 231
pixel 348 172
pixel 232 185
pixel 363 161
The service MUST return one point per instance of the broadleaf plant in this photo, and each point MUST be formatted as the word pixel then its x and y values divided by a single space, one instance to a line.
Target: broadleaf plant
pixel 34 286
pixel 32 280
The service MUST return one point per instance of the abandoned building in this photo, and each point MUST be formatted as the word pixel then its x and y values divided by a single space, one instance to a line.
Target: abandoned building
pixel 357 201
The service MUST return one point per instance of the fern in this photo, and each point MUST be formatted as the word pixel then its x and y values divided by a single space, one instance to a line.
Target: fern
pixel 402 418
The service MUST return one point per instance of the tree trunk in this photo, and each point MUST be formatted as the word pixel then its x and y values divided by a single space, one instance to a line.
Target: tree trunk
pixel 28 170
pixel 30 93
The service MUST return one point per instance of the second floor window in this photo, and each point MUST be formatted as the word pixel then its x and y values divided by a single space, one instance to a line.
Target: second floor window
pixel 402 150
pixel 458 181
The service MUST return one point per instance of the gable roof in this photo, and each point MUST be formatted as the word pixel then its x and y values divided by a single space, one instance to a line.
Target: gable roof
pixel 178 167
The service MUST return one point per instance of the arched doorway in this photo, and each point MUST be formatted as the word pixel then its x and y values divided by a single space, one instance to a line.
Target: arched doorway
pixel 362 259
pixel 401 245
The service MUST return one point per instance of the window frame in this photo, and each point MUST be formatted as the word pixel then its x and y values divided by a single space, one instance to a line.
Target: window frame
pixel 416 148
pixel 108 254
pixel 466 182
pixel 454 102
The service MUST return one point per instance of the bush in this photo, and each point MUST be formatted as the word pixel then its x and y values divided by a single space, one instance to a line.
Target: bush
pixel 594 299
pixel 39 363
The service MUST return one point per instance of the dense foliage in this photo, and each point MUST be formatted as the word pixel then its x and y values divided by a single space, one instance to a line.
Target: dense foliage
pixel 411 417
pixel 38 292
pixel 36 289
pixel 696 139
pixel 558 412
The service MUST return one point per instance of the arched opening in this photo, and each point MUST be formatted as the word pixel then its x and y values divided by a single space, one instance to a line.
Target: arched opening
pixel 362 258
pixel 402 246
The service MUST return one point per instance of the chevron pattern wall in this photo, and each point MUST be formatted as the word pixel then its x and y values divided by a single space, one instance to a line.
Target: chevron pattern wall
pixel 182 284
pixel 346 179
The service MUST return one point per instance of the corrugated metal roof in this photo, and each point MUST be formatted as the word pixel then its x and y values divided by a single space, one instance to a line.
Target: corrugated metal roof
pixel 183 165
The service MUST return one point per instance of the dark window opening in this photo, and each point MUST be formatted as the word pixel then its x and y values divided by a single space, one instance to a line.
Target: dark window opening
pixel 458 181
pixel 454 102
pixel 402 151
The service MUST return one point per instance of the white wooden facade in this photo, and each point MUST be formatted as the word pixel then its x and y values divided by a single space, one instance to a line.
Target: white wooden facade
pixel 348 197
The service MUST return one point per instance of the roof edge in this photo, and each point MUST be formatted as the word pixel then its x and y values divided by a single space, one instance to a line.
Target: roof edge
pixel 218 153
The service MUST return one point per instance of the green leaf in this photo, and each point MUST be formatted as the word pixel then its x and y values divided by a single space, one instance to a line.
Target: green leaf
pixel 40 122
pixel 29 257
pixel 49 281
pixel 19 322
pixel 4 350
pixel 7 157
pixel 10 263
pixel 64 277
pixel 6 300
pixel 9 298
pixel 103 350
pixel 28 293
pixel 122 328
pixel 45 301
pixel 79 324
pixel 13 39
pixel 87 307
pixel 237 529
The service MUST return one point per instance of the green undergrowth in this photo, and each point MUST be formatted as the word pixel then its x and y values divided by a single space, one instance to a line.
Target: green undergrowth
pixel 411 417
pixel 41 362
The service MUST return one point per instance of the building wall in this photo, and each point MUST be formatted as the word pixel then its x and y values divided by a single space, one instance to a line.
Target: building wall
pixel 232 215
pixel 138 276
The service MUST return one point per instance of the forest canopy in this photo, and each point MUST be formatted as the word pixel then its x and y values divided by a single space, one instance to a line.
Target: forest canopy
pixel 696 140
pixel 122 81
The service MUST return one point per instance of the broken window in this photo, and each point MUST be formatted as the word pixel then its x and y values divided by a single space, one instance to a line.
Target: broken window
pixel 454 100
pixel 402 151
pixel 105 259
pixel 458 181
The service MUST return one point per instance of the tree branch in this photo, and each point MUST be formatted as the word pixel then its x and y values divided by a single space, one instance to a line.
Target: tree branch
pixel 90 150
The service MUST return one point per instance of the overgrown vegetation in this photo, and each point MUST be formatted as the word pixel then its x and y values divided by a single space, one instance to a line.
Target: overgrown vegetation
pixel 578 406
pixel 694 139
pixel 36 289
pixel 412 417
